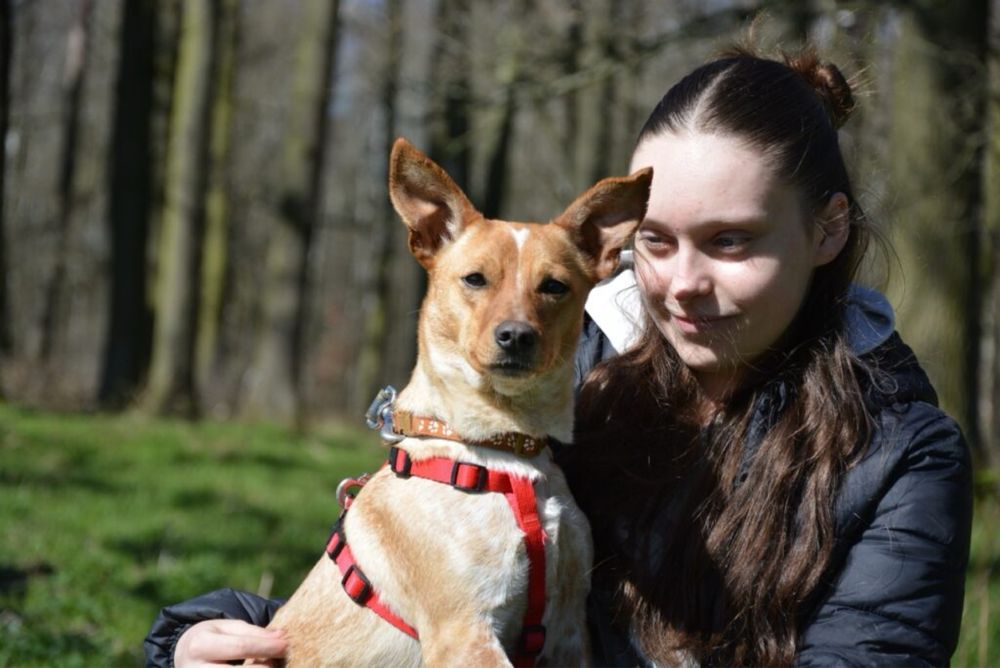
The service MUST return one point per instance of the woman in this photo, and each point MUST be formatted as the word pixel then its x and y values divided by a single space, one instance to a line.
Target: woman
pixel 780 486
pixel 767 475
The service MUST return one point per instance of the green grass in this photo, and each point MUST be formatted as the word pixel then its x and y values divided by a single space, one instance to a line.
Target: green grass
pixel 979 644
pixel 105 519
pixel 115 517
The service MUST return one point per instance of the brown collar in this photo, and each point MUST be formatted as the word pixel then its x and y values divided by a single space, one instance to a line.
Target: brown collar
pixel 522 445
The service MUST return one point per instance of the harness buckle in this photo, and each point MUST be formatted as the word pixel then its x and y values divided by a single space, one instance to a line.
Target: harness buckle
pixel 379 414
pixel 532 640
pixel 478 484
pixel 400 469
pixel 336 544
pixel 357 586
pixel 349 488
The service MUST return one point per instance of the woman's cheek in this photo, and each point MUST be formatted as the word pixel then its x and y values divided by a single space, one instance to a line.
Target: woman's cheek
pixel 651 282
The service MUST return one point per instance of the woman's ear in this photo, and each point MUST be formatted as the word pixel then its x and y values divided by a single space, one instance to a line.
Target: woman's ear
pixel 834 223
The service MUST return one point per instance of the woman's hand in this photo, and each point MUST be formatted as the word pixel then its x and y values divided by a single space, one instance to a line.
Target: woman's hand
pixel 214 642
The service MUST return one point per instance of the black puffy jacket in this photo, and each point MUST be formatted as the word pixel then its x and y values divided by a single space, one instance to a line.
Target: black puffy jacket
pixel 903 520
pixel 903 517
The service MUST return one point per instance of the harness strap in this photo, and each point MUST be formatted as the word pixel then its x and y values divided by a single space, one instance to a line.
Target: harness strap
pixel 357 586
pixel 519 492
pixel 522 502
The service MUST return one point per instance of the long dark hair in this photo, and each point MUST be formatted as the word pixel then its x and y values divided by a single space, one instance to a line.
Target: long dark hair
pixel 715 537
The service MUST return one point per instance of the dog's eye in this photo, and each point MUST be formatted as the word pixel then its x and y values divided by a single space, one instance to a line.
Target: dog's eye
pixel 551 286
pixel 474 280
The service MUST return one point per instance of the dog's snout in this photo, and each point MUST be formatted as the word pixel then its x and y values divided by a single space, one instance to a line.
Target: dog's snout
pixel 515 337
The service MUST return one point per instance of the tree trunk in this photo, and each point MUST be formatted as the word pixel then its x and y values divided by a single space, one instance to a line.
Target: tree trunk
pixel 375 367
pixel 610 37
pixel 73 82
pixel 498 170
pixel 448 119
pixel 129 337
pixel 936 186
pixel 215 248
pixel 278 358
pixel 511 74
pixel 5 53
pixel 989 387
pixel 570 64
pixel 172 388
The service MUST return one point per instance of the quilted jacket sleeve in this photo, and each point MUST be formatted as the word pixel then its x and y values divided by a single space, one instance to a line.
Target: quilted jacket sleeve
pixel 897 600
pixel 220 604
pixel 592 348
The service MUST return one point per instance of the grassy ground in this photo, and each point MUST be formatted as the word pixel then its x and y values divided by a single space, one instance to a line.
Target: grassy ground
pixel 106 519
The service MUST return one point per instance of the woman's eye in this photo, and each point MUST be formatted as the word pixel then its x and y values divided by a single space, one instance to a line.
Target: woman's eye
pixel 731 241
pixel 551 286
pixel 474 280
pixel 653 240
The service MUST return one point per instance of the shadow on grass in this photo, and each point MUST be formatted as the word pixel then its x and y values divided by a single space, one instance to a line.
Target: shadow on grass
pixel 150 545
pixel 14 577
pixel 28 644
pixel 71 465
pixel 177 564
pixel 274 461
pixel 64 477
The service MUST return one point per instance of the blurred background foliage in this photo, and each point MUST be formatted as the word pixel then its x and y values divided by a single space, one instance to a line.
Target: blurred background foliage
pixel 194 222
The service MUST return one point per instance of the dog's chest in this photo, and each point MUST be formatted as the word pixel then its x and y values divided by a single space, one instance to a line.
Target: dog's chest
pixel 466 544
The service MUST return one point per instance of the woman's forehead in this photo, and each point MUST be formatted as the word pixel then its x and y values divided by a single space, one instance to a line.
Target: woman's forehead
pixel 710 177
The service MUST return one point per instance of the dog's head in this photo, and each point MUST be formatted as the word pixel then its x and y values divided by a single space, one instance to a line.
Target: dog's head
pixel 505 300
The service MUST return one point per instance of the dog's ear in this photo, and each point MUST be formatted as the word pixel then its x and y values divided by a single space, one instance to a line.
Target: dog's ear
pixel 431 205
pixel 604 218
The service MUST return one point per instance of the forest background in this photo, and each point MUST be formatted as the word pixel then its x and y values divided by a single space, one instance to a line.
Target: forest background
pixel 194 220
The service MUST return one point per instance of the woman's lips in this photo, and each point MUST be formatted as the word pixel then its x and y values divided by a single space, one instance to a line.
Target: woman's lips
pixel 698 324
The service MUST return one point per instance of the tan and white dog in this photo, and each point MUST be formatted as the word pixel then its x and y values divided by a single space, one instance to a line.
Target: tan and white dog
pixel 497 333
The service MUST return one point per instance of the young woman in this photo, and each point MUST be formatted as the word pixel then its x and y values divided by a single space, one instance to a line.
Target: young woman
pixel 766 472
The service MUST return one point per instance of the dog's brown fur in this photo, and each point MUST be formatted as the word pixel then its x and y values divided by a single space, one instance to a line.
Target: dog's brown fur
pixel 453 564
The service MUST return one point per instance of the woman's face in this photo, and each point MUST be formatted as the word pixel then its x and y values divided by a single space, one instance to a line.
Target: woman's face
pixel 725 254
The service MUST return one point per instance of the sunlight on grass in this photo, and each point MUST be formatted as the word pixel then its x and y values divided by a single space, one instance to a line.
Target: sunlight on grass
pixel 107 519
pixel 980 641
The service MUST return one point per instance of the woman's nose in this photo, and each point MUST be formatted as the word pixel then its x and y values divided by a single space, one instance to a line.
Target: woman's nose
pixel 691 277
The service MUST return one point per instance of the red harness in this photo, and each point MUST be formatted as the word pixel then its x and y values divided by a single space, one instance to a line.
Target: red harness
pixel 472 479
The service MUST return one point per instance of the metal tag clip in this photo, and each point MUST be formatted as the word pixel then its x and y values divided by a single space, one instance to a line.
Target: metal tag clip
pixel 379 414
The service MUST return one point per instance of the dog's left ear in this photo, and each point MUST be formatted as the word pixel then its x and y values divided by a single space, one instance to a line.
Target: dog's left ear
pixel 604 218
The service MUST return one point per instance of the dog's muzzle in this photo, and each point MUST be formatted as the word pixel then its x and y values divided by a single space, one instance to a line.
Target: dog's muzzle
pixel 518 344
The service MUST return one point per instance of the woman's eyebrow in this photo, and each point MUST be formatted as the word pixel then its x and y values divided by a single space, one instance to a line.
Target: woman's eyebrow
pixel 751 220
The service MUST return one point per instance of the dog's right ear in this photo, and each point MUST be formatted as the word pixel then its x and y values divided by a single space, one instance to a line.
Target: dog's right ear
pixel 430 203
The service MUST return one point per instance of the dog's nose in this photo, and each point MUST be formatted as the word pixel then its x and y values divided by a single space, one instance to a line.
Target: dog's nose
pixel 515 337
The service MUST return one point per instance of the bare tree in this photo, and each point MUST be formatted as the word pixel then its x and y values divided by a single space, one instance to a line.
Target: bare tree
pixel 935 150
pixel 217 214
pixel 171 388
pixel 989 386
pixel 379 344
pixel 279 354
pixel 511 72
pixel 448 118
pixel 73 81
pixel 5 52
pixel 131 174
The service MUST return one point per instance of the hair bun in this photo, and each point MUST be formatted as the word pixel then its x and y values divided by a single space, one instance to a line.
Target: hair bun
pixel 828 82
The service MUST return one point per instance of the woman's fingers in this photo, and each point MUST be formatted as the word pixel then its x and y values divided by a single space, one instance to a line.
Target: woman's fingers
pixel 214 642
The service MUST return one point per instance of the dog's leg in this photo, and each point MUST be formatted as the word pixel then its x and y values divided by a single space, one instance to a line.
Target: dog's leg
pixel 568 638
pixel 462 643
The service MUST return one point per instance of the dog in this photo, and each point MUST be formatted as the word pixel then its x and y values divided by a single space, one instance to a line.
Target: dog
pixel 439 570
